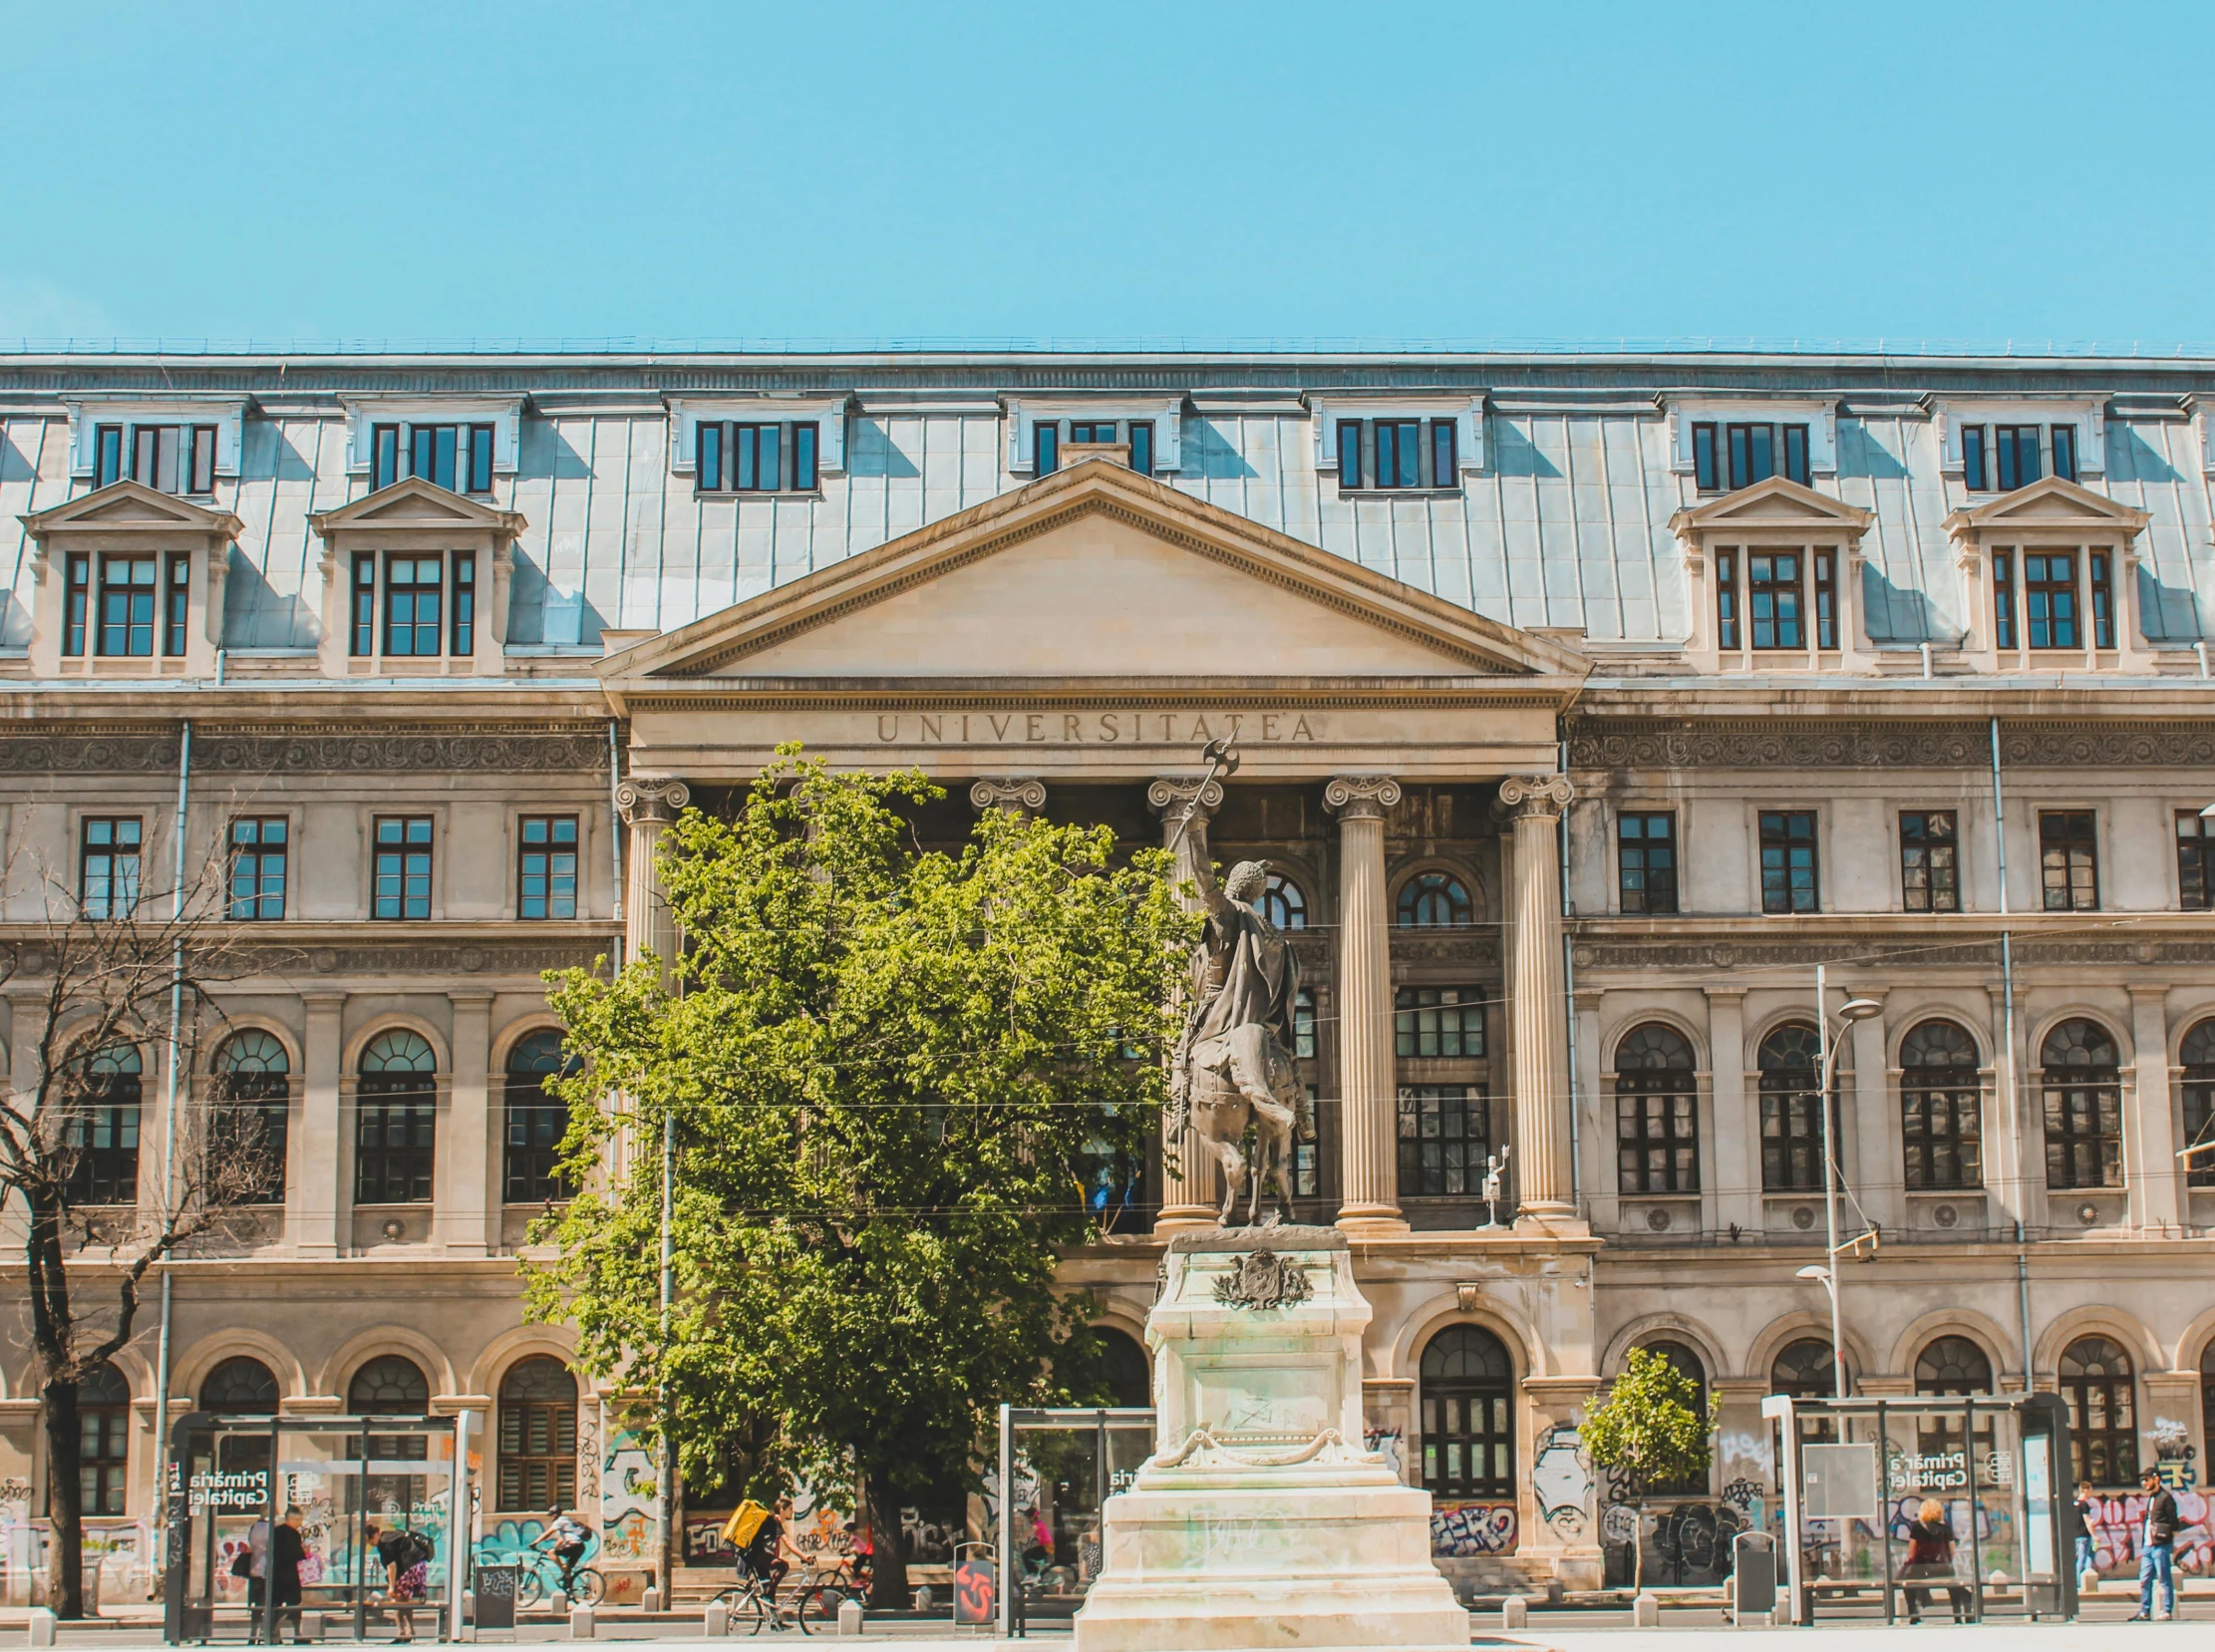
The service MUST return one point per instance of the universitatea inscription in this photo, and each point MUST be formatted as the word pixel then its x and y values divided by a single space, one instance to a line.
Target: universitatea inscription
pixel 1097 728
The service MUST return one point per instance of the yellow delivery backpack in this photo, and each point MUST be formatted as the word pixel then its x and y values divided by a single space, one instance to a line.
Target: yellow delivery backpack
pixel 744 1523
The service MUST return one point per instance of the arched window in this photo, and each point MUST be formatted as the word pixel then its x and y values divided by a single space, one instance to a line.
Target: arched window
pixel 388 1386
pixel 1656 1113
pixel 1433 901
pixel 1283 902
pixel 2199 1107
pixel 104 1454
pixel 250 1110
pixel 537 1436
pixel 1688 1364
pixel 1941 1107
pixel 1468 1414
pixel 397 1108
pixel 102 1128
pixel 2083 1107
pixel 240 1386
pixel 2097 1380
pixel 1790 1062
pixel 536 1121
pixel 1802 1369
pixel 1123 1367
pixel 1953 1366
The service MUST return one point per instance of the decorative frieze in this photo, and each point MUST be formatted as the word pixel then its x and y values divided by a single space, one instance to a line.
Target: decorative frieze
pixel 1979 951
pixel 1625 742
pixel 439 748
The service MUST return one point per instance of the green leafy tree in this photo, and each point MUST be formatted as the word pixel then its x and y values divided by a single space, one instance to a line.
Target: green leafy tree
pixel 1648 1427
pixel 892 1076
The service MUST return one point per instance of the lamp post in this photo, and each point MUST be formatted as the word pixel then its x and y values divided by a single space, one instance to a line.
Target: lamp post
pixel 1854 1009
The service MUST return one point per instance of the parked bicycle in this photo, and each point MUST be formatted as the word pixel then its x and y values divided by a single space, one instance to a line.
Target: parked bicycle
pixel 539 1575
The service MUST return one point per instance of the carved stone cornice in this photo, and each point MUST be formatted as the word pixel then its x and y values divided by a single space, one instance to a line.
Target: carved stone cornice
pixel 1761 742
pixel 1015 793
pixel 651 800
pixel 1975 951
pixel 1533 797
pixel 1361 797
pixel 525 960
pixel 324 748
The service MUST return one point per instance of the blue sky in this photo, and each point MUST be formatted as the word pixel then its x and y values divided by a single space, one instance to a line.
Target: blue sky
pixel 1126 172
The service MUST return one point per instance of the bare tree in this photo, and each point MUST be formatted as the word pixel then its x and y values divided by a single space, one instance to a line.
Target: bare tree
pixel 121 971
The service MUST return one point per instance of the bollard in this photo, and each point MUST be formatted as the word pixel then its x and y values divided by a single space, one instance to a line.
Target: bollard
pixel 1513 1613
pixel 716 1621
pixel 849 1616
pixel 653 1601
pixel 1646 1611
pixel 581 1623
pixel 560 1603
pixel 41 1626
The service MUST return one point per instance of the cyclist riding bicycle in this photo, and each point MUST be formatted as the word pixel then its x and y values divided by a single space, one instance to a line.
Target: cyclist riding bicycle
pixel 569 1537
pixel 758 1535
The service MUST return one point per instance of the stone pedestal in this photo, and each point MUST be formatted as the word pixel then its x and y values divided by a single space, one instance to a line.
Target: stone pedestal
pixel 1260 1521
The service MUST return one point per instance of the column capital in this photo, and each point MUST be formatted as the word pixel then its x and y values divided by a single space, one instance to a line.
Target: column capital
pixel 1014 792
pixel 1175 795
pixel 1533 797
pixel 651 797
pixel 1361 797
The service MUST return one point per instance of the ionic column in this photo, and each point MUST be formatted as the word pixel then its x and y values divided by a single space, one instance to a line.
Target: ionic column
pixel 648 805
pixel 1369 1152
pixel 1017 794
pixel 1188 1174
pixel 1533 802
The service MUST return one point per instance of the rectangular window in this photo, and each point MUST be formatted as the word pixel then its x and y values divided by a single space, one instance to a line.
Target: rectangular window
pixel 411 591
pixel 77 602
pixel 127 595
pixel 1646 862
pixel 2003 600
pixel 1046 447
pixel 1942 1129
pixel 176 593
pixel 258 853
pixel 107 455
pixel 1444 1135
pixel 1303 1025
pixel 2069 861
pixel 154 455
pixel 384 455
pixel 364 604
pixel 2083 1127
pixel 1706 475
pixel 200 475
pixel 1930 866
pixel 1727 599
pixel 1752 454
pixel 2195 868
pixel 1446 461
pixel 1975 475
pixel 1349 452
pixel 1657 1131
pixel 1438 1022
pixel 463 641
pixel 402 889
pixel 1773 598
pixel 1788 881
pixel 1826 598
pixel 804 458
pixel 481 458
pixel 2103 599
pixel 2064 451
pixel 1141 445
pixel 2017 447
pixel 1795 452
pixel 432 452
pixel 547 871
pixel 758 455
pixel 2050 598
pixel 1092 432
pixel 706 458
pixel 102 1127
pixel 108 866
pixel 396 1139
pixel 1307 1158
pixel 1399 453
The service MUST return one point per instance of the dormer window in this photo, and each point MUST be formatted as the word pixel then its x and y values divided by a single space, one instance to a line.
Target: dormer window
pixel 1392 455
pixel 1727 456
pixel 2003 457
pixel 138 598
pixel 1782 588
pixel 457 458
pixel 1136 434
pixel 739 457
pixel 171 459
pixel 2052 598
pixel 405 608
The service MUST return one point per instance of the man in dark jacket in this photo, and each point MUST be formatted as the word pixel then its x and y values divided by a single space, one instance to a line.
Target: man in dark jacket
pixel 287 1548
pixel 2156 1549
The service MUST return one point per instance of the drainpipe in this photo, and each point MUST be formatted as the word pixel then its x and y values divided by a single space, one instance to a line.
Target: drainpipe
pixel 169 1123
pixel 2007 1065
pixel 616 837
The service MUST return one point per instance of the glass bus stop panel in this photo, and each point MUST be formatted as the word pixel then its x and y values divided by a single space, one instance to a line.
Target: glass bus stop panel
pixel 1068 1462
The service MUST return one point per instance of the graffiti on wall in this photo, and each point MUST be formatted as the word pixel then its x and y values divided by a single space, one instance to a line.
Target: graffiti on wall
pixel 628 1490
pixel 1466 1529
pixel 1387 1444
pixel 2119 1520
pixel 1561 1478
pixel 1747 1453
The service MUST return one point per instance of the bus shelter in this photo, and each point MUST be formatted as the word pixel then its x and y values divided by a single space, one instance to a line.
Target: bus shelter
pixel 1856 1475
pixel 351 1479
pixel 1058 1466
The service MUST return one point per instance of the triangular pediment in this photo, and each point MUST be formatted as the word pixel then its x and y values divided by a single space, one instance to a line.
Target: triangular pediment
pixel 1777 502
pixel 131 508
pixel 414 503
pixel 2052 503
pixel 1094 573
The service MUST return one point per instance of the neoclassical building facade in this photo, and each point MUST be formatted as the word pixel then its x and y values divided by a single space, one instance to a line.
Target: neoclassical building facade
pixel 1586 704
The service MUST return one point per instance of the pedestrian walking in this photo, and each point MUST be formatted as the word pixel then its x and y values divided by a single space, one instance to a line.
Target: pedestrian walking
pixel 287 1548
pixel 2156 1551
pixel 2087 1516
pixel 257 1575
pixel 1930 1557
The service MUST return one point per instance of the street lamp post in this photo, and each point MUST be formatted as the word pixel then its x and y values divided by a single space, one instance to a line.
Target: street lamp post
pixel 1854 1009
